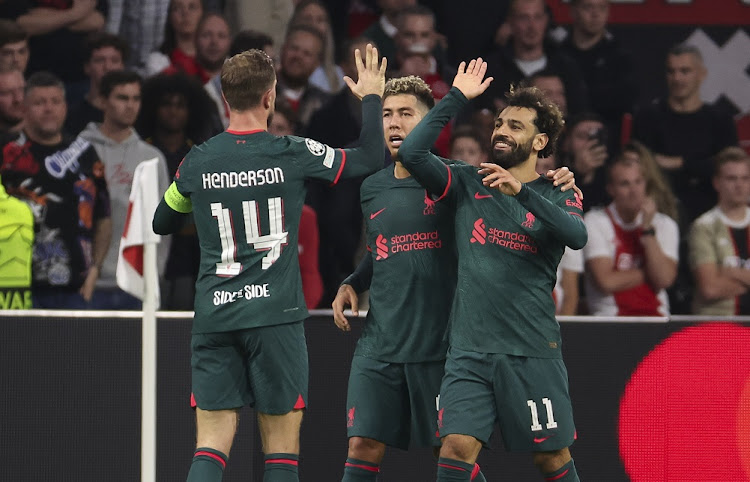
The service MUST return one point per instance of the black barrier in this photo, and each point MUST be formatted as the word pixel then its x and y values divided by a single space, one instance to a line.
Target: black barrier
pixel 71 403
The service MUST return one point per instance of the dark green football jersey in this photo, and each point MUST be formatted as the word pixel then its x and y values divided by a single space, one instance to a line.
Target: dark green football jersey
pixel 247 191
pixel 508 247
pixel 410 243
pixel 507 269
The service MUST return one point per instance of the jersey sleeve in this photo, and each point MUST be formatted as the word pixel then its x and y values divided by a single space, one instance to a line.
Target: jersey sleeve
pixel 94 168
pixel 414 153
pixel 601 236
pixel 361 278
pixel 700 242
pixel 572 260
pixel 322 162
pixel 564 217
pixel 668 236
pixel 184 177
pixel 317 160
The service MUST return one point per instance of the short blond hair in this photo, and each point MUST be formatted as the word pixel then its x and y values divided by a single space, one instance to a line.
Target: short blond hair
pixel 245 77
pixel 729 154
pixel 410 85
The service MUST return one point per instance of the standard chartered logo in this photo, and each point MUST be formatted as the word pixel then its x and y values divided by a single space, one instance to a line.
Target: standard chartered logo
pixel 248 292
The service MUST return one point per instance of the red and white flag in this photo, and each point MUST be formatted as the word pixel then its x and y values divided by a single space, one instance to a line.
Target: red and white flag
pixel 144 197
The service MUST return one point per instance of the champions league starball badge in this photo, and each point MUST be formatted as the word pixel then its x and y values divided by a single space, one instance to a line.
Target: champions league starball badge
pixel 315 147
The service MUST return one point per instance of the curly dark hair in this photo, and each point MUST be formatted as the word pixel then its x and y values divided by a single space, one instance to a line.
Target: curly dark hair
pixel 200 106
pixel 548 120
pixel 410 85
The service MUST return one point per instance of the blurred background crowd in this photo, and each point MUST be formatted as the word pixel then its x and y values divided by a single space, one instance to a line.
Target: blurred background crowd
pixel 90 88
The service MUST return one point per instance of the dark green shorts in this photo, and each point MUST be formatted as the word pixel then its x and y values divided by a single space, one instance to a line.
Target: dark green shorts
pixel 263 367
pixel 527 397
pixel 394 402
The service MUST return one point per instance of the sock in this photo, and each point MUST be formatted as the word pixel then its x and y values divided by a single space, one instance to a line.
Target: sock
pixel 356 470
pixel 477 475
pixel 281 468
pixel 450 470
pixel 208 465
pixel 566 473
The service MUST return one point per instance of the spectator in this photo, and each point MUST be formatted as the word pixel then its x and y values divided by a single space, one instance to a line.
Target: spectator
pixel 16 247
pixel 483 121
pixel 270 17
pixel 177 52
pixel 607 68
pixel 384 30
pixel 14 46
pixel 300 56
pixel 569 270
pixel 720 241
pixel 57 31
pixel 632 252
pixel 657 186
pixel 212 46
pixel 417 50
pixel 121 150
pixel 140 23
pixel 454 20
pixel 468 146
pixel 250 39
pixel 212 42
pixel 685 133
pixel 283 122
pixel 328 77
pixel 585 152
pixel 527 53
pixel 104 53
pixel 63 180
pixel 173 118
pixel 308 247
pixel 11 100
pixel 551 84
pixel 338 122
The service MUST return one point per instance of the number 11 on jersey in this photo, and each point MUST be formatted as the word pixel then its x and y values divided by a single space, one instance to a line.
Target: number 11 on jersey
pixel 271 242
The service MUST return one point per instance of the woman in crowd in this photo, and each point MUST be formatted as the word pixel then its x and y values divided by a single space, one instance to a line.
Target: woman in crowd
pixel 329 76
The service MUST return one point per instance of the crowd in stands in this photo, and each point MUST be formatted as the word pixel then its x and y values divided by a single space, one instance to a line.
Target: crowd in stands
pixel 90 88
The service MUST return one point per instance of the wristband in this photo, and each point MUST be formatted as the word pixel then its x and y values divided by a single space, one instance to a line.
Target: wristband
pixel 648 232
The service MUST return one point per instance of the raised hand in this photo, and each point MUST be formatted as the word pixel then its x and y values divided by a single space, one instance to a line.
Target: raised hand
pixel 649 211
pixel 470 80
pixel 370 75
pixel 498 178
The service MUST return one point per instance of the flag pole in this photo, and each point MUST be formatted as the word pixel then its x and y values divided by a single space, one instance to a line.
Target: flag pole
pixel 148 365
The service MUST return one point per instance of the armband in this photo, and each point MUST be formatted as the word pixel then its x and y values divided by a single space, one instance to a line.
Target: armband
pixel 177 201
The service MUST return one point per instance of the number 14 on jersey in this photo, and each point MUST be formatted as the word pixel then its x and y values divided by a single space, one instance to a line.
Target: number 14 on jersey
pixel 272 242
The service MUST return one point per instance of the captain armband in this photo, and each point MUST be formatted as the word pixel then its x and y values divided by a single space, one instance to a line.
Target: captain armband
pixel 177 201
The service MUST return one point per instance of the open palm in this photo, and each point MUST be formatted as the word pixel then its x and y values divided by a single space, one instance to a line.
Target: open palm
pixel 470 80
pixel 370 73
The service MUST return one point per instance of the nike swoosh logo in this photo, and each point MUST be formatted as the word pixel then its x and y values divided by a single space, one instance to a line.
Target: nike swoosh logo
pixel 373 215
pixel 541 439
pixel 481 196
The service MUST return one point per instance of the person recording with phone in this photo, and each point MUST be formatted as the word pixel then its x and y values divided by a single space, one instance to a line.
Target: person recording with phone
pixel 585 153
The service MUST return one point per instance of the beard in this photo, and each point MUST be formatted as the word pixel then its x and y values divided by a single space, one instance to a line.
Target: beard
pixel 515 156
